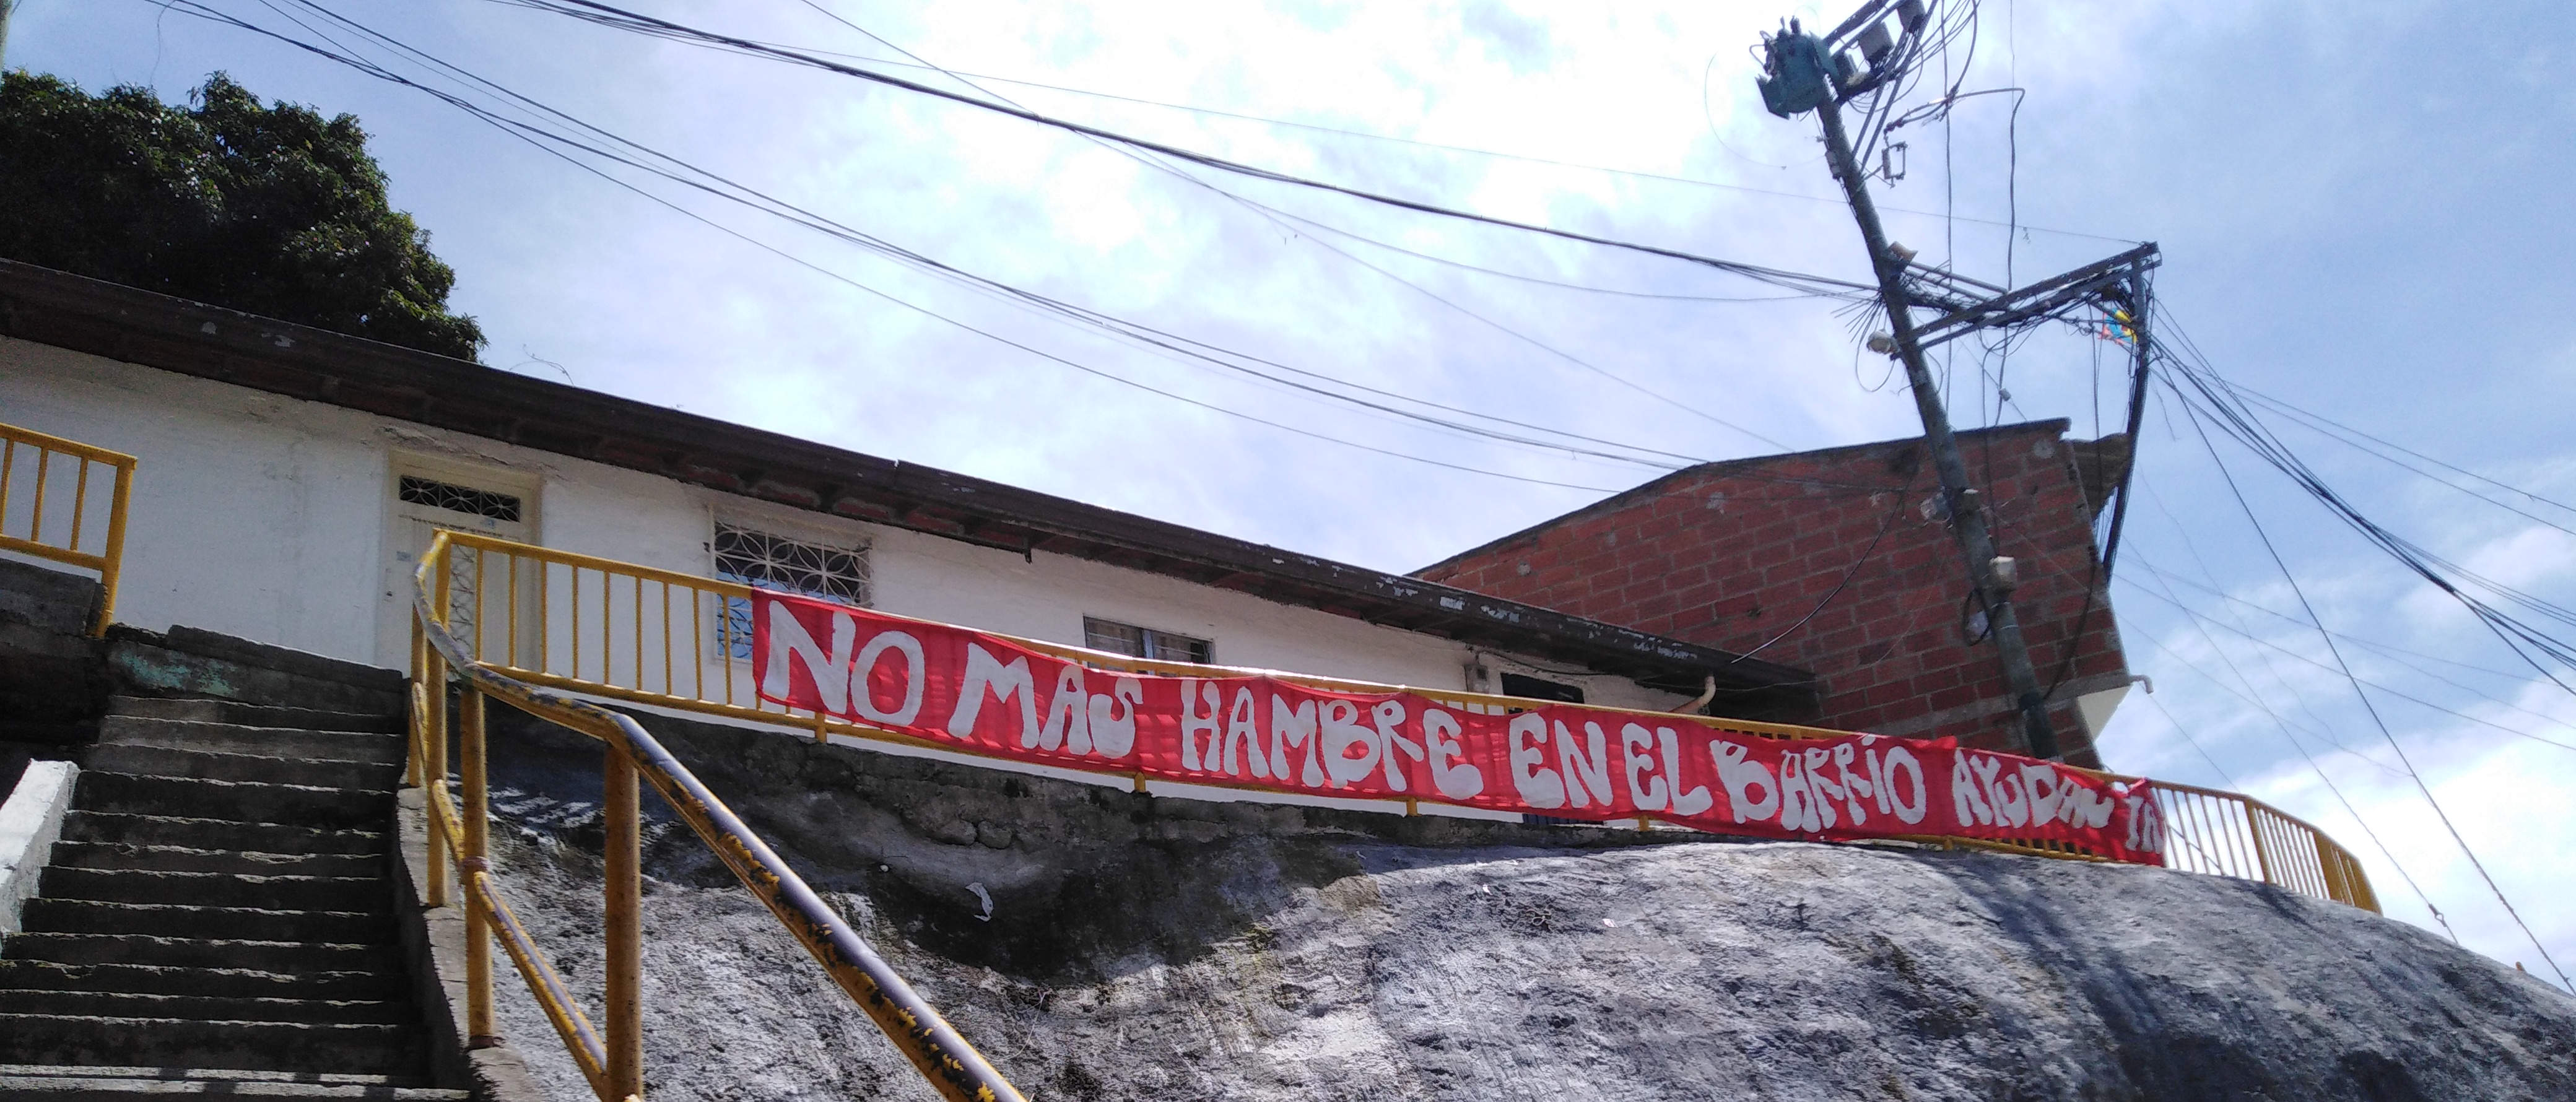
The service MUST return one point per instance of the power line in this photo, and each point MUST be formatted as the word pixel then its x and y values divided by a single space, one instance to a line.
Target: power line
pixel 1274 214
pixel 2245 426
pixel 1445 147
pixel 2318 768
pixel 2341 433
pixel 548 140
pixel 777 208
pixel 2373 709
pixel 2272 646
pixel 2196 747
pixel 1884 524
pixel 2253 697
pixel 2386 649
pixel 1539 280
pixel 1154 339
pixel 592 11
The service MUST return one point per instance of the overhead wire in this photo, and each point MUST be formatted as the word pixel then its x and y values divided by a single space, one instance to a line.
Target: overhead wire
pixel 2277 648
pixel 1849 572
pixel 542 137
pixel 1446 147
pixel 607 15
pixel 2253 696
pixel 1581 444
pixel 1274 214
pixel 2274 552
pixel 1145 155
pixel 2388 649
pixel 1199 350
pixel 2343 434
pixel 2196 389
pixel 2318 769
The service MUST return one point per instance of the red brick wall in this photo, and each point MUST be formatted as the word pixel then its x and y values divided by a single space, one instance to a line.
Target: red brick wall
pixel 1732 554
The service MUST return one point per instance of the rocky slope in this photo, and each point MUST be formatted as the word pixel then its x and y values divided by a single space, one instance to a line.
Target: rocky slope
pixel 1136 947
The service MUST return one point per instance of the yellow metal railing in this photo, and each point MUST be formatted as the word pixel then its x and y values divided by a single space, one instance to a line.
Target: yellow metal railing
pixel 2226 834
pixel 44 486
pixel 618 631
pixel 612 1060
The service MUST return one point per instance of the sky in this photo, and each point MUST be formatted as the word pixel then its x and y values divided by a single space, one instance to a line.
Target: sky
pixel 2361 207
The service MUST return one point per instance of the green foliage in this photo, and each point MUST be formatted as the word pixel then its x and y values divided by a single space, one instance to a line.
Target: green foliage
pixel 273 210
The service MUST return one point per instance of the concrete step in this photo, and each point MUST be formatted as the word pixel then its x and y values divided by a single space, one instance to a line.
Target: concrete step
pixel 204 1008
pixel 90 916
pixel 234 738
pixel 50 598
pixel 205 710
pixel 243 983
pixel 186 952
pixel 220 834
pixel 179 1042
pixel 211 765
pixel 187 662
pixel 240 801
pixel 216 889
pixel 128 855
pixel 55 1083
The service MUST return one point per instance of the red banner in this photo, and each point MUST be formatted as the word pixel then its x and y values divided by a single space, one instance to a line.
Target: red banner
pixel 986 694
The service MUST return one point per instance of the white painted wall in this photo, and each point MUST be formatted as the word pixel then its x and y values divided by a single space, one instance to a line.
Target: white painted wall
pixel 31 821
pixel 267 517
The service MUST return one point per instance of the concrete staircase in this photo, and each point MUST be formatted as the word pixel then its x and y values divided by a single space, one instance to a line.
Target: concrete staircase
pixel 217 919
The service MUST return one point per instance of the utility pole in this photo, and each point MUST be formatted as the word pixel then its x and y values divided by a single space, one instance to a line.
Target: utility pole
pixel 1802 72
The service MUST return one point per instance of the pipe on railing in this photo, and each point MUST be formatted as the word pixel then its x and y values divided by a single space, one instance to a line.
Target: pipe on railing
pixel 934 1046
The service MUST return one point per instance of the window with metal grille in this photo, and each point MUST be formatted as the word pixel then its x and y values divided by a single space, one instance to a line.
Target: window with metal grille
pixel 1162 646
pixel 768 561
pixel 1537 688
pixel 461 499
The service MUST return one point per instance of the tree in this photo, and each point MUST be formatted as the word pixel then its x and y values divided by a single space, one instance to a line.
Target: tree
pixel 273 210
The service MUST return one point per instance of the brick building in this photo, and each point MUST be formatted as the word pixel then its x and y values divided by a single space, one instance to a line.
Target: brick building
pixel 1841 562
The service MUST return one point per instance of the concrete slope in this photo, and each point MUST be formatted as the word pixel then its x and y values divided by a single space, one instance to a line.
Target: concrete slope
pixel 1139 947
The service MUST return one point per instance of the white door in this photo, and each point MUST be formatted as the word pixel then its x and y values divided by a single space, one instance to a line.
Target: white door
pixel 428 495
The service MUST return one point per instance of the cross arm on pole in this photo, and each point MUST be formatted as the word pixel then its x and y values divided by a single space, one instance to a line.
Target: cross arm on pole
pixel 2041 299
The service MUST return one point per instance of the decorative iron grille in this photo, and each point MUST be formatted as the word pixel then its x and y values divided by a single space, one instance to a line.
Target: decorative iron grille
pixel 769 561
pixel 460 499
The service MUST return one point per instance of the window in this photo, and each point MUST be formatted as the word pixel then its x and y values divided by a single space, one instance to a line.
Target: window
pixel 459 499
pixel 1118 638
pixel 767 561
pixel 1540 689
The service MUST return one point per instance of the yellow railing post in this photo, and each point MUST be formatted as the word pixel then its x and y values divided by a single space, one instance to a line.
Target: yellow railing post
pixel 433 746
pixel 473 864
pixel 36 518
pixel 625 926
pixel 107 575
pixel 2262 848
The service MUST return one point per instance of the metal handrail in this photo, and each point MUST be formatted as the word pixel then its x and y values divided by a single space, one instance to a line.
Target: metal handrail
pixel 619 631
pixel 2237 835
pixel 505 644
pixel 109 559
pixel 614 1065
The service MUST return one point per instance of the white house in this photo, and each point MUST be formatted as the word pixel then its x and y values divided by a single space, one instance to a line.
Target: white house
pixel 288 476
